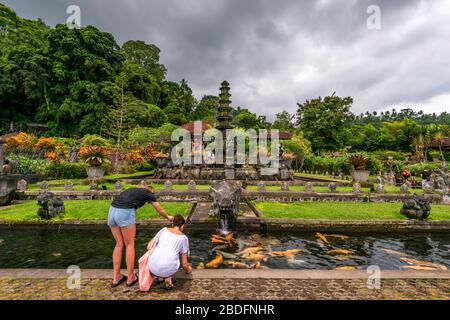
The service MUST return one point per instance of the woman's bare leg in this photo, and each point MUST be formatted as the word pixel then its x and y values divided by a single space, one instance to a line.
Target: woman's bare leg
pixel 128 234
pixel 117 253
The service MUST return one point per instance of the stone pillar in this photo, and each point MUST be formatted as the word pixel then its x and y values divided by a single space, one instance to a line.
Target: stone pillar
pixel 168 185
pixel 309 187
pixel 192 186
pixel 332 187
pixel 356 188
pixel 118 185
pixel 380 188
pixel 284 186
pixel 44 185
pixel 404 188
pixel 261 186
pixel 22 185
pixel 68 186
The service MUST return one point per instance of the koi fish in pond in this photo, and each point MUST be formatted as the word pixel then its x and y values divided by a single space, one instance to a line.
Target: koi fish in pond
pixel 339 236
pixel 345 268
pixel 424 263
pixel 200 266
pixel 236 264
pixel 396 253
pixel 1 241
pixel 340 251
pixel 289 252
pixel 255 257
pixel 215 262
pixel 321 237
pixel 227 255
pixel 249 250
pixel 422 268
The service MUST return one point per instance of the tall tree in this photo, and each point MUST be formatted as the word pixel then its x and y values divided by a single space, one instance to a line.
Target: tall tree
pixel 284 121
pixel 85 62
pixel 24 73
pixel 322 121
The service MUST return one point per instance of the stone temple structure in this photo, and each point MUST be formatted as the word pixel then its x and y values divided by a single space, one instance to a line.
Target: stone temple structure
pixel 209 170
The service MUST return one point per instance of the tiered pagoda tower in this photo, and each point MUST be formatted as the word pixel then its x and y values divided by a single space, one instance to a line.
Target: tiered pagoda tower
pixel 224 110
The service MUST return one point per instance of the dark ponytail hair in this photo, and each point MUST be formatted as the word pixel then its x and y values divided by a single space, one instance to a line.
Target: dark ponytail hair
pixel 178 221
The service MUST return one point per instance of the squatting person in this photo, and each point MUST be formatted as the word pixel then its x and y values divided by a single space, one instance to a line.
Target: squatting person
pixel 171 246
pixel 122 221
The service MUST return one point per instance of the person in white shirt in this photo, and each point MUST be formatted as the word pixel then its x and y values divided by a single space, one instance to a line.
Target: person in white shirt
pixel 171 247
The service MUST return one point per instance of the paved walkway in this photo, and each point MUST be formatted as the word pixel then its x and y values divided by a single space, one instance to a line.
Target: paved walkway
pixel 231 284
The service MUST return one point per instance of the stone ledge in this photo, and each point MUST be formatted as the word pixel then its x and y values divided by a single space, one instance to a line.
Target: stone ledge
pixel 236 274
pixel 203 195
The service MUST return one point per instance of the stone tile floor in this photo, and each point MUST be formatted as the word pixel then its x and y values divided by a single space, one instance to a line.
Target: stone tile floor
pixel 55 288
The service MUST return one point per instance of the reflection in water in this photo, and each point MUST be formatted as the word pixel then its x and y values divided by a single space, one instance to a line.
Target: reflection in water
pixel 93 248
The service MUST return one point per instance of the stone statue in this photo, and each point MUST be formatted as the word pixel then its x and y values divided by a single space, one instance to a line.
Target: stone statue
pixel 284 186
pixel 427 188
pixel 51 206
pixel 356 188
pixel 93 185
pixel 118 185
pixel 332 187
pixel 192 186
pixel 22 185
pixel 380 188
pixel 309 187
pixel 416 208
pixel 43 185
pixel 404 188
pixel 440 180
pixel 68 186
pixel 261 186
pixel 168 185
pixel 225 199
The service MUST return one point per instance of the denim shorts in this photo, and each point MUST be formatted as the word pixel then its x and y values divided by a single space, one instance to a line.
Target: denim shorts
pixel 121 217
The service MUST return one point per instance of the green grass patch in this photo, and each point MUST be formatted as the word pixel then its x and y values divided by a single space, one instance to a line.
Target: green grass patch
pixel 78 210
pixel 344 210
pixel 127 175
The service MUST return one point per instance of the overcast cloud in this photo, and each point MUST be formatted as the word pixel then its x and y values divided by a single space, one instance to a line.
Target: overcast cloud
pixel 276 53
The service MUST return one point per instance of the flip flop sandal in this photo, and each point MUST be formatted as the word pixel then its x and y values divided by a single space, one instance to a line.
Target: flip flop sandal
pixel 133 282
pixel 124 278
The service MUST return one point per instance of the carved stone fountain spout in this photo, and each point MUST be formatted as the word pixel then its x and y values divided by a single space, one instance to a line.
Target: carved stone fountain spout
pixel 225 202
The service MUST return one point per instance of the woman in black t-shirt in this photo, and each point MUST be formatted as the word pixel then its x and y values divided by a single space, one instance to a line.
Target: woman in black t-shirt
pixel 122 221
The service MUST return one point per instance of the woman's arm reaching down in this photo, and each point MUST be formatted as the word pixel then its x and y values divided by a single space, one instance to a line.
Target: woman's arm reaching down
pixel 161 211
pixel 184 263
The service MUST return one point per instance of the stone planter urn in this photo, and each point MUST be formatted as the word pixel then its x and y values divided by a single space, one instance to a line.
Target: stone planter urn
pixel 95 173
pixel 360 175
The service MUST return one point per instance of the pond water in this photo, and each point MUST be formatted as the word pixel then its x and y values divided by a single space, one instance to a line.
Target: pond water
pixel 51 248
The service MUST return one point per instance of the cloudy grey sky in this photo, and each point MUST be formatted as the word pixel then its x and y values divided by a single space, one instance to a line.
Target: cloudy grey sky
pixel 276 53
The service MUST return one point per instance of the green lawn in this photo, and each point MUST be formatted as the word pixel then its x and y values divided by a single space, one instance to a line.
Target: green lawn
pixel 127 175
pixel 319 176
pixel 85 210
pixel 344 210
